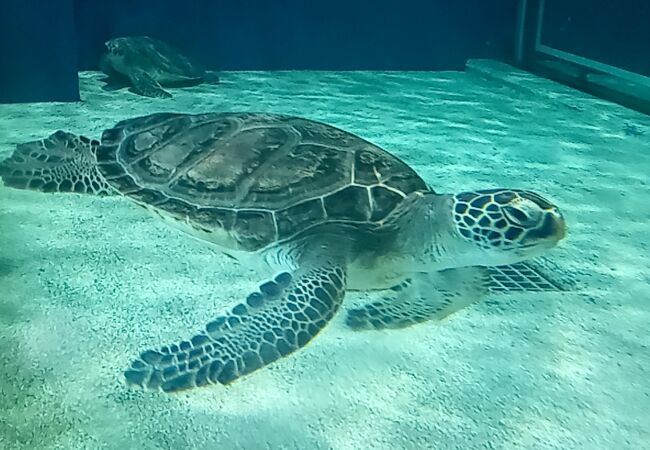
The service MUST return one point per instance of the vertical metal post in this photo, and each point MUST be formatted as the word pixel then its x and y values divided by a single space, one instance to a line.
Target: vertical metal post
pixel 527 29
pixel 520 29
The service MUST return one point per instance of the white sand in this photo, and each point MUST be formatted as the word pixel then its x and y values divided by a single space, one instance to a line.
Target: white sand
pixel 86 283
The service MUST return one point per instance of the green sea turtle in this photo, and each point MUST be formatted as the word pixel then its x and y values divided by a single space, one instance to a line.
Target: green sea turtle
pixel 148 64
pixel 318 209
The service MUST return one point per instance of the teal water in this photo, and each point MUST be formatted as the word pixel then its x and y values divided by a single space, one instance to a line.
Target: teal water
pixel 89 282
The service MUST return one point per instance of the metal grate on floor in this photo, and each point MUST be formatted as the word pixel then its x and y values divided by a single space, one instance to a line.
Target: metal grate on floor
pixel 525 277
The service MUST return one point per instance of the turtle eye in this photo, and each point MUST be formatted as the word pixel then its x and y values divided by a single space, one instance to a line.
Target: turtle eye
pixel 516 215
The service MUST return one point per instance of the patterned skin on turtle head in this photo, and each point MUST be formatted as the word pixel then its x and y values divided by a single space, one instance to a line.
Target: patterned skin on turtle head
pixel 508 221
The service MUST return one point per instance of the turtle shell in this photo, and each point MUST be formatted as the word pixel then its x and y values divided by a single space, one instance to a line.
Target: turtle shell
pixel 260 178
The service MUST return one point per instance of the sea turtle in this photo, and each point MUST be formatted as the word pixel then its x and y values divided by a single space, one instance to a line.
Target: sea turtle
pixel 147 64
pixel 318 209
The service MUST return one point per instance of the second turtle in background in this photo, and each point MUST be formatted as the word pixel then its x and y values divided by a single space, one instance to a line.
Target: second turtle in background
pixel 146 65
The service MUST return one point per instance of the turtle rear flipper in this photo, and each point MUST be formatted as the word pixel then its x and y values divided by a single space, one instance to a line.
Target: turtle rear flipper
pixel 283 316
pixel 425 296
pixel 62 162
pixel 144 84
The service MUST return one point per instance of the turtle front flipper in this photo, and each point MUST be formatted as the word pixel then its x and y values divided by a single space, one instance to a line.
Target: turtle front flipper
pixel 424 296
pixel 144 84
pixel 62 162
pixel 280 318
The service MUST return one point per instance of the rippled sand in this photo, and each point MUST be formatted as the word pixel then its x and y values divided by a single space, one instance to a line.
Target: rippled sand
pixel 87 283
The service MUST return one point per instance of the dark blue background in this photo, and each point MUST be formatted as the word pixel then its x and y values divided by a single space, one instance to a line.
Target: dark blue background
pixel 44 42
pixel 40 46
pixel 614 32
pixel 38 58
pixel 307 34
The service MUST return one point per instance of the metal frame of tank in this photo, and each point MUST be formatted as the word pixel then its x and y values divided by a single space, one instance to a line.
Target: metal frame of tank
pixel 602 80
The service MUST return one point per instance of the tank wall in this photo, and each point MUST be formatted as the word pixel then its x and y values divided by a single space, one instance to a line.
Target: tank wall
pixel 38 57
pixel 295 34
pixel 614 33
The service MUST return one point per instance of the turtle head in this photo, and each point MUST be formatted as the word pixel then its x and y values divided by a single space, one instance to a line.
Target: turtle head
pixel 507 225
pixel 116 47
pixel 113 59
pixel 117 53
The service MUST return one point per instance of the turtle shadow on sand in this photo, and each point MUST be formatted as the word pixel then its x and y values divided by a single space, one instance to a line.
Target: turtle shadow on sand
pixel 146 66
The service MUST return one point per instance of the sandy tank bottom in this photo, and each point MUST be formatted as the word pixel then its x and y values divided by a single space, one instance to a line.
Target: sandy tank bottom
pixel 87 283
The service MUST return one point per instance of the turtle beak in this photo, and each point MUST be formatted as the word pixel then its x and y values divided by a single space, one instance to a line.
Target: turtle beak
pixel 553 227
pixel 561 226
pixel 557 224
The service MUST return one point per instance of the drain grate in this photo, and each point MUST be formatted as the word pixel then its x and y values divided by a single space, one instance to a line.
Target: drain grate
pixel 526 277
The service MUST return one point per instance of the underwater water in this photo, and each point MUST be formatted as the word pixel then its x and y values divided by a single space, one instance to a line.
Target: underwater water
pixel 89 282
